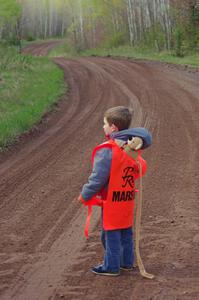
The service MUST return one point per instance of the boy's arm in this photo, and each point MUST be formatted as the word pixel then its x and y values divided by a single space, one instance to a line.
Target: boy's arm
pixel 99 176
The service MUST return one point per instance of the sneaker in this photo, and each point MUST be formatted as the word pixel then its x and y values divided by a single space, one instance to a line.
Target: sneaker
pixel 126 268
pixel 99 271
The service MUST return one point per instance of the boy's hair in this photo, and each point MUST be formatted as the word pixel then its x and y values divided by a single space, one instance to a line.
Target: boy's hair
pixel 120 116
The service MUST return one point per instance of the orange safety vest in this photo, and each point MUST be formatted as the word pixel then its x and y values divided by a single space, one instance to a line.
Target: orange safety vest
pixel 118 205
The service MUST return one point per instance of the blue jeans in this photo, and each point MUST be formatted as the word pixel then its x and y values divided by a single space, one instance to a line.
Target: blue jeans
pixel 119 250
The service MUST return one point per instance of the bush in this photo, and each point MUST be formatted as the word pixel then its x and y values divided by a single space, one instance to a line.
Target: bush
pixel 10 59
pixel 117 39
pixel 30 38
pixel 154 38
pixel 178 35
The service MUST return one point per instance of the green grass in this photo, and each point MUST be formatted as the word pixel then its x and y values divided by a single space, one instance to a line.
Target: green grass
pixel 28 88
pixel 63 50
pixel 126 51
pixel 30 85
pixel 25 43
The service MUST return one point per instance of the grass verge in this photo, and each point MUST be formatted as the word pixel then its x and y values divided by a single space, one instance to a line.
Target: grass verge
pixel 28 88
pixel 63 50
pixel 125 51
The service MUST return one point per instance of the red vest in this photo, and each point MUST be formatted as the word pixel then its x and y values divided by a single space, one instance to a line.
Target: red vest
pixel 118 207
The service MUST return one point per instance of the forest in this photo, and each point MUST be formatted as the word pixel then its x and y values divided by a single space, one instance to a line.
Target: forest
pixel 162 25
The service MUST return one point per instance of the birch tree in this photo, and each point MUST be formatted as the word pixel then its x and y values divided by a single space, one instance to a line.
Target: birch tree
pixel 94 23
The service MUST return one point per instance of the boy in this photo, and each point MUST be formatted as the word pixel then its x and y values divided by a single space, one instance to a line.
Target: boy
pixel 112 178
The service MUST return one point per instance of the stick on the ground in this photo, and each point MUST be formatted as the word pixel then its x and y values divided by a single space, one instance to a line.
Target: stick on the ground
pixel 137 229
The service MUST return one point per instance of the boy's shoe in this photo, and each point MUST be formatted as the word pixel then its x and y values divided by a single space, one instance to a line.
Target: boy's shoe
pixel 126 268
pixel 99 271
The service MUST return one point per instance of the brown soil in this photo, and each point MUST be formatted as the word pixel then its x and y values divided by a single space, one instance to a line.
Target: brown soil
pixel 43 253
pixel 41 48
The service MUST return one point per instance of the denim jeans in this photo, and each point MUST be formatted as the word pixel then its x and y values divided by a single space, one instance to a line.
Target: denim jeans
pixel 119 250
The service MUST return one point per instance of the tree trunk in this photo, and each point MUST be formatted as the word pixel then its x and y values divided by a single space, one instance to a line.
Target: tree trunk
pixel 130 21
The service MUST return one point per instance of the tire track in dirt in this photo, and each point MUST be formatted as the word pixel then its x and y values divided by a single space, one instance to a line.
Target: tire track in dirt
pixel 173 181
pixel 42 48
pixel 40 162
pixel 43 254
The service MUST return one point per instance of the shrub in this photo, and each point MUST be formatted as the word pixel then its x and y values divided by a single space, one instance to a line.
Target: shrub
pixel 117 39
pixel 30 38
pixel 178 42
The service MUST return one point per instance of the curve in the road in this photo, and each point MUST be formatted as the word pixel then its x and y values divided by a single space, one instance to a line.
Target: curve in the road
pixel 43 251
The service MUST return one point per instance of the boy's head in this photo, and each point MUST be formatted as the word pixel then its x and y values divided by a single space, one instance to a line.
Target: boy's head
pixel 116 119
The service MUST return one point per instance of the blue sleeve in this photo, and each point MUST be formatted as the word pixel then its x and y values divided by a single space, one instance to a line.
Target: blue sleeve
pixel 100 173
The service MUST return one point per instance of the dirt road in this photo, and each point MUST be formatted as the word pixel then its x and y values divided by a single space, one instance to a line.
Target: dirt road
pixel 43 253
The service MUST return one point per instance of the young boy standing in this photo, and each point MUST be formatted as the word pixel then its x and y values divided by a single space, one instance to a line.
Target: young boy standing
pixel 112 178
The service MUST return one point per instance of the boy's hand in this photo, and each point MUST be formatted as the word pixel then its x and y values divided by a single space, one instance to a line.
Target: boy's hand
pixel 136 143
pixel 81 199
pixel 93 201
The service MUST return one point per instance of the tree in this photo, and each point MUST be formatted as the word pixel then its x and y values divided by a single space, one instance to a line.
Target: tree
pixel 159 24
pixel 9 13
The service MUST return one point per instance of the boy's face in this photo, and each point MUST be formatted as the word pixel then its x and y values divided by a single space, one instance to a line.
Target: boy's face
pixel 108 129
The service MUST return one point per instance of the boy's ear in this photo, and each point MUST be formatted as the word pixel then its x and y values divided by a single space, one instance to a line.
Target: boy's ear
pixel 114 128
